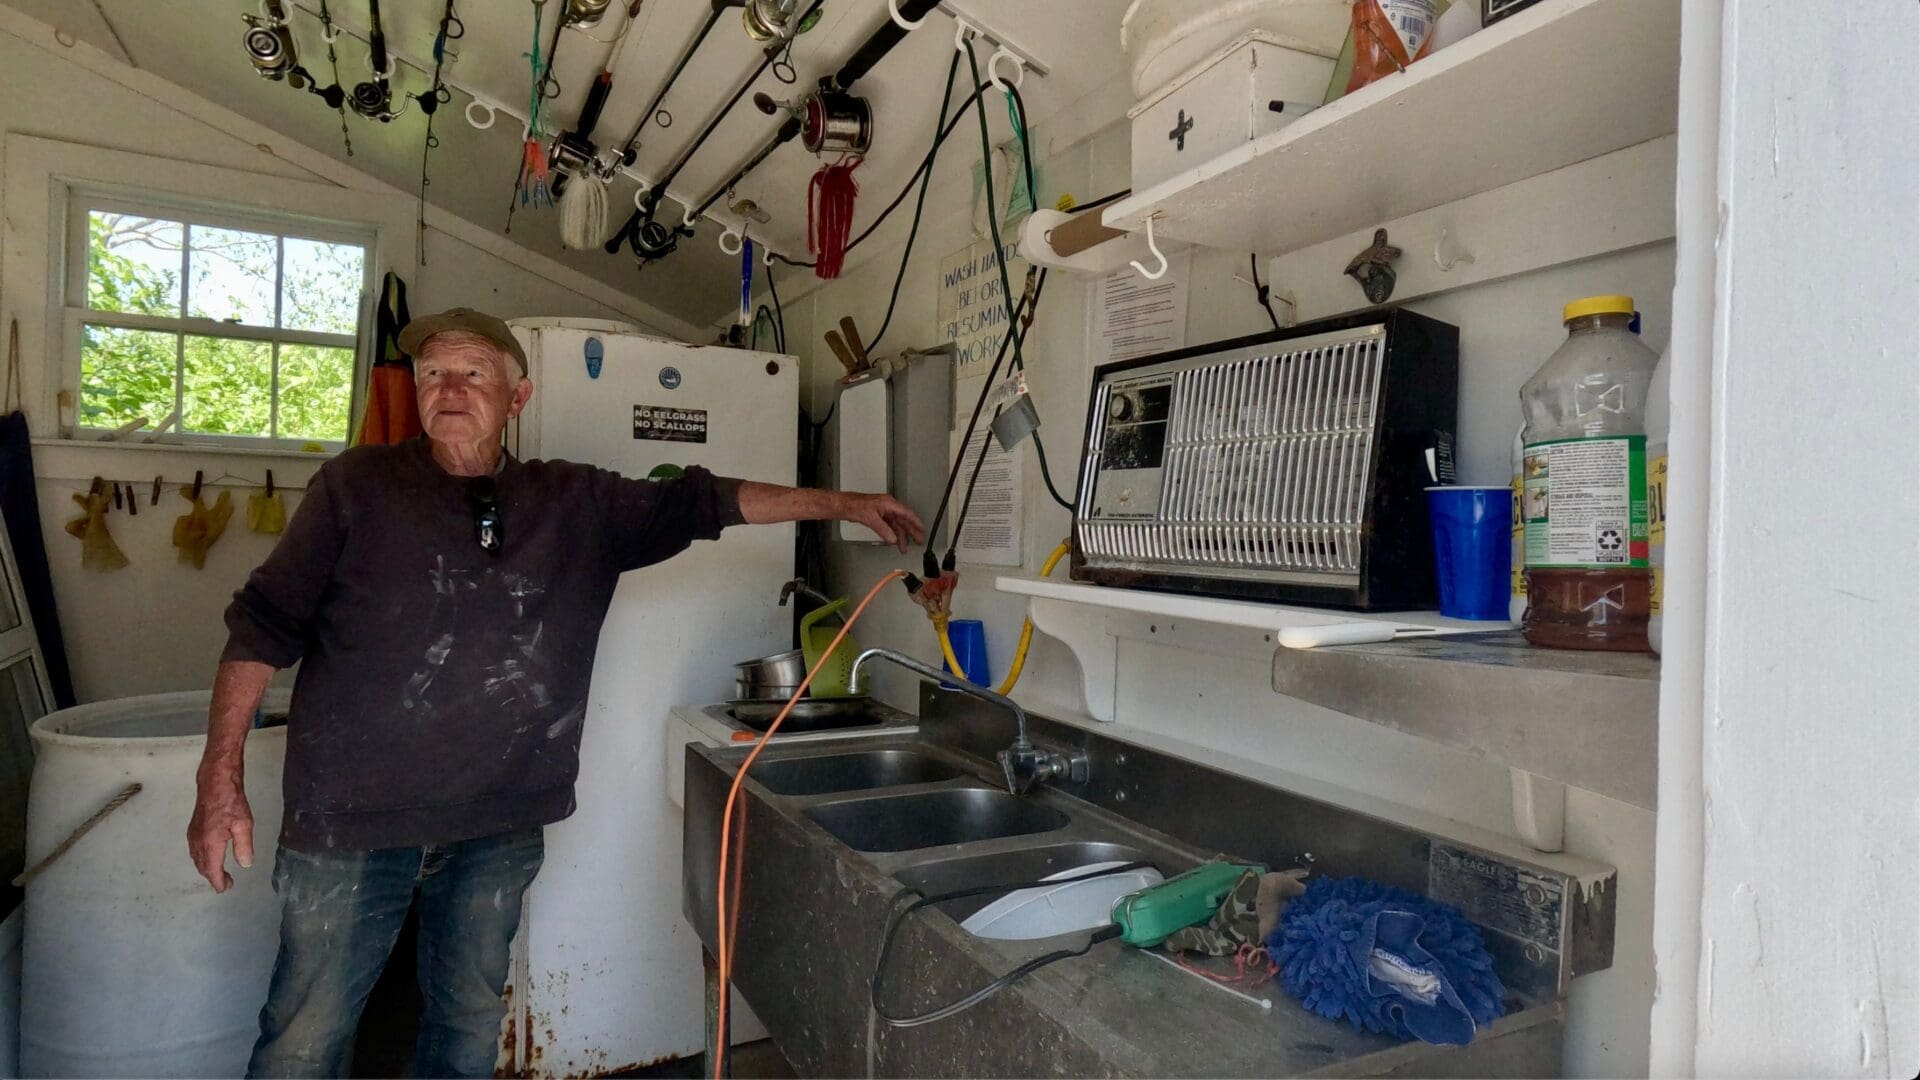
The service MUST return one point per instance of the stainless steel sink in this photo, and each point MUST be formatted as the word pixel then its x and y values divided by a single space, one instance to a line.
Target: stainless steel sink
pixel 1017 868
pixel 934 819
pixel 851 772
pixel 809 714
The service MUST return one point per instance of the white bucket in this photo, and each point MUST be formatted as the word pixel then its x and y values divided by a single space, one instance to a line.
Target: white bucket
pixel 133 966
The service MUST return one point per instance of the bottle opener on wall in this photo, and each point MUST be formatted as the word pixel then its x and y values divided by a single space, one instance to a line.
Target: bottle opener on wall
pixel 1373 268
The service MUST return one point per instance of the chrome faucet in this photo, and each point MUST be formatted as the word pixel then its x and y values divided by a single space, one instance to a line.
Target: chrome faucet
pixel 799 585
pixel 1023 763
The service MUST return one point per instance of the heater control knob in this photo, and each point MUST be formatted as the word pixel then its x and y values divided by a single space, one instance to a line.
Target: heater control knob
pixel 1120 407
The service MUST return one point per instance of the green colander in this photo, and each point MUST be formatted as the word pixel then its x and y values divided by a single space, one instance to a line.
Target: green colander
pixel 817 628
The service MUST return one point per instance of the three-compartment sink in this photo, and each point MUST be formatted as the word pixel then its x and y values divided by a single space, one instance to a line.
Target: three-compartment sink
pixel 934 819
pixel 859 771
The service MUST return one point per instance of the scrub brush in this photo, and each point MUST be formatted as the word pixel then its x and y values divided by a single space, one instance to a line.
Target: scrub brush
pixel 1387 961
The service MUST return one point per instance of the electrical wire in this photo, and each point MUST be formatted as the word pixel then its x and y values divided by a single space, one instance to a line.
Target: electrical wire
pixel 1260 292
pixel 980 994
pixel 1040 451
pixel 1028 303
pixel 779 316
pixel 913 230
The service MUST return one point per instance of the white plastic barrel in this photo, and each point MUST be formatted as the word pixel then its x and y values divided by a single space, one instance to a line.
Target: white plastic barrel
pixel 133 966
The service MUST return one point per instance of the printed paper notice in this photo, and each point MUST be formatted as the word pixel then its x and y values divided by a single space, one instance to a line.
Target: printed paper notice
pixel 1137 317
pixel 972 309
pixel 991 534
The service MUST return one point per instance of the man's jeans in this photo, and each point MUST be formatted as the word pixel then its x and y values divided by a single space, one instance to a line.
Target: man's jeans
pixel 340 914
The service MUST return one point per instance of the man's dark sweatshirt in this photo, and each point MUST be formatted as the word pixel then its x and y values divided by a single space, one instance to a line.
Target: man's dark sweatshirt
pixel 441 689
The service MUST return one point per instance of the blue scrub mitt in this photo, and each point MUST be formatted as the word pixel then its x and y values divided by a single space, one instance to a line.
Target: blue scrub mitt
pixel 1386 960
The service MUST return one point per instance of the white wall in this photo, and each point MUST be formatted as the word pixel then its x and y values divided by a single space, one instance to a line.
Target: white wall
pixel 1184 692
pixel 155 626
pixel 1790 934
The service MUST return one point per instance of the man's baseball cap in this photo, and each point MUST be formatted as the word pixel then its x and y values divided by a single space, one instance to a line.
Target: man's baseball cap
pixel 416 333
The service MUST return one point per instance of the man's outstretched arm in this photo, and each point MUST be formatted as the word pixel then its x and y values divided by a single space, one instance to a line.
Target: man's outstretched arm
pixel 766 504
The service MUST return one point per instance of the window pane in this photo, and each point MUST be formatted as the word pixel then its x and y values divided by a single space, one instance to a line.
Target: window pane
pixel 320 286
pixel 231 275
pixel 133 264
pixel 125 375
pixel 228 388
pixel 316 392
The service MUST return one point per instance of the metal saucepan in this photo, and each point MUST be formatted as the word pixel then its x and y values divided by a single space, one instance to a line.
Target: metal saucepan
pixel 773 676
pixel 808 714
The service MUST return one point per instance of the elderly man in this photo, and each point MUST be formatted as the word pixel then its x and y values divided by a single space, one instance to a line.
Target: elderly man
pixel 444 600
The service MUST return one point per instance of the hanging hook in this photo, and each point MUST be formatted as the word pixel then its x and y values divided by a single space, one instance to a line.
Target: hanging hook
pixel 993 69
pixel 893 11
pixel 640 197
pixel 1140 267
pixel 962 30
pixel 1447 253
pixel 492 114
pixel 766 255
pixel 688 219
pixel 739 240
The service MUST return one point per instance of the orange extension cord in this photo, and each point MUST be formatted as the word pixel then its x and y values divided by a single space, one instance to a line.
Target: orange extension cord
pixel 725 921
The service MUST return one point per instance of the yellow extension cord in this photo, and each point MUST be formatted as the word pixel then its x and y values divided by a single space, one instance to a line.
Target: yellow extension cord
pixel 1026 631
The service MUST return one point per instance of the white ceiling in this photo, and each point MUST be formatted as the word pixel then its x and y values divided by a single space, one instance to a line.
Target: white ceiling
pixel 197 44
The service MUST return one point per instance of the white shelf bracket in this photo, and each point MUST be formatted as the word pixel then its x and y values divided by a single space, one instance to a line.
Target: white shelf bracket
pixel 1539 810
pixel 1093 646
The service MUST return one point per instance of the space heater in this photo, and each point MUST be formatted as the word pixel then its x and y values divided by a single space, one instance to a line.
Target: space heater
pixel 1285 467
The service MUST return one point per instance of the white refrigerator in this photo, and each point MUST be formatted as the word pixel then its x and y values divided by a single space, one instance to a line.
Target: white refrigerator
pixel 606 972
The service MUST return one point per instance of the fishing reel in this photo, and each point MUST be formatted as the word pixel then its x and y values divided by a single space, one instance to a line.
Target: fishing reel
pixel 373 99
pixel 652 240
pixel 831 121
pixel 766 20
pixel 269 45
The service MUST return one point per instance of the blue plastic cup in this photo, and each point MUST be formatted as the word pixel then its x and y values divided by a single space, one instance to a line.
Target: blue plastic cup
pixel 1472 550
pixel 969 637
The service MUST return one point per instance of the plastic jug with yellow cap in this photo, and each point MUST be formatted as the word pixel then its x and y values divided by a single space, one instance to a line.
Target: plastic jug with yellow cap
pixel 1584 483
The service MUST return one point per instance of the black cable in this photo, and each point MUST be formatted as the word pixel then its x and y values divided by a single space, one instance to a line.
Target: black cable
pixel 1260 292
pixel 966 504
pixel 913 230
pixel 1040 451
pixel 993 219
pixel 1028 304
pixel 1103 200
pixel 975 997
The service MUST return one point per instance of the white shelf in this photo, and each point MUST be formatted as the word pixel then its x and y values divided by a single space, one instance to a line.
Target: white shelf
pixel 1091 619
pixel 1559 83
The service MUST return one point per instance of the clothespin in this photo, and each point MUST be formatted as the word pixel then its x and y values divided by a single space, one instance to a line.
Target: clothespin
pixel 269 481
pixel 133 501
pixel 155 501
pixel 97 486
pixel 117 504
pixel 197 477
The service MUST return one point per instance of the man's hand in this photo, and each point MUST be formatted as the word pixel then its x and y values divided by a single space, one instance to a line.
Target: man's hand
pixel 220 816
pixel 885 515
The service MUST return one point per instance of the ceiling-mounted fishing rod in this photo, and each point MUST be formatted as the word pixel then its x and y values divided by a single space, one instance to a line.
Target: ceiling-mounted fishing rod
pixel 830 119
pixel 649 239
pixel 631 150
pixel 373 99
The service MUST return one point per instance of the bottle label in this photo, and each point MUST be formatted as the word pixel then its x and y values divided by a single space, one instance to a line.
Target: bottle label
pixel 1518 587
pixel 1586 503
pixel 1657 516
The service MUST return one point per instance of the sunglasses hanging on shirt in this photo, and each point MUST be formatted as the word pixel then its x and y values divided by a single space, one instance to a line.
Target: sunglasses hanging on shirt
pixel 485 500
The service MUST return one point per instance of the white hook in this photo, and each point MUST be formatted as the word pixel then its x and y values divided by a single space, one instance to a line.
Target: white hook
pixel 1448 253
pixel 766 255
pixel 993 68
pixel 961 32
pixel 640 197
pixel 739 241
pixel 893 11
pixel 687 219
pixel 491 113
pixel 1141 268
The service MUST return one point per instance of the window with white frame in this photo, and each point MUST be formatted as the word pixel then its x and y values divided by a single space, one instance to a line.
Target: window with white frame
pixel 231 328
